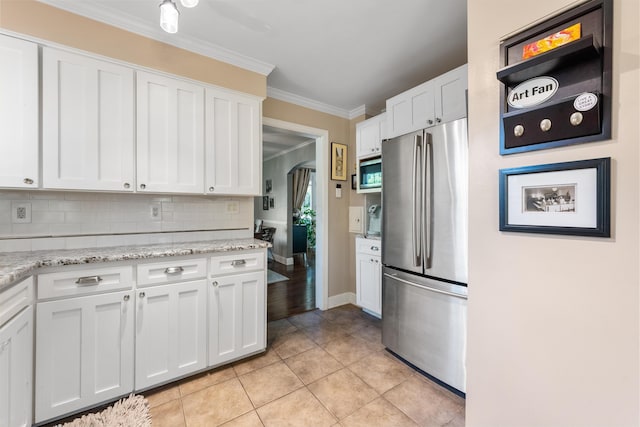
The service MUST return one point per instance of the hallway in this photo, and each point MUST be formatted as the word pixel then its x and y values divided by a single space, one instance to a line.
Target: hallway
pixel 293 296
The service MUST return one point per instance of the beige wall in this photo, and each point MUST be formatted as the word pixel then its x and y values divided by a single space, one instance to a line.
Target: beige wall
pixel 48 23
pixel 338 216
pixel 553 321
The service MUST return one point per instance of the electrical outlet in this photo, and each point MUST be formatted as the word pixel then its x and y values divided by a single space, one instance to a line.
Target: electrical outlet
pixel 233 207
pixel 20 213
pixel 156 212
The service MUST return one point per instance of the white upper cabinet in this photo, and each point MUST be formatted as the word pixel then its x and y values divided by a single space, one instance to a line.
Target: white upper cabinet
pixel 451 95
pixel 369 136
pixel 170 135
pixel 87 118
pixel 18 113
pixel 440 100
pixel 233 147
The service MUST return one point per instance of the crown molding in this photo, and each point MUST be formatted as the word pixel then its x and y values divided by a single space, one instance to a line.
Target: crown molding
pixel 288 150
pixel 108 16
pixel 282 95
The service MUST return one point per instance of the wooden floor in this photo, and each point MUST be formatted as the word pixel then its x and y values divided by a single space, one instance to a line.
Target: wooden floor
pixel 293 296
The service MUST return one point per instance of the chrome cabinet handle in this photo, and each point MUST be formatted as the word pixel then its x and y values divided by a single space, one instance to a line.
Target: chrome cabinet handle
pixel 127 185
pixel 89 280
pixel 143 186
pixel 142 294
pixel 375 248
pixel 215 284
pixel 430 121
pixel 28 181
pixel 238 263
pixel 126 297
pixel 173 270
pixel 438 119
pixel 211 189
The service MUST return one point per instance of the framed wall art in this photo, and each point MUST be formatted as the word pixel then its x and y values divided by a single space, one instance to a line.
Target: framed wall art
pixel 265 203
pixel 339 164
pixel 571 198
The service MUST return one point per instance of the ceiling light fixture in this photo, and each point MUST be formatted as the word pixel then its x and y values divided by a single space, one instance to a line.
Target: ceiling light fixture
pixel 169 16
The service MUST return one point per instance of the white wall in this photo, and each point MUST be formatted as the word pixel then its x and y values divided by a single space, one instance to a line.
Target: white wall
pixel 553 321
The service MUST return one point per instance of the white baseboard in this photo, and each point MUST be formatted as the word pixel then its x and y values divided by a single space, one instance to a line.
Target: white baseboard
pixel 341 299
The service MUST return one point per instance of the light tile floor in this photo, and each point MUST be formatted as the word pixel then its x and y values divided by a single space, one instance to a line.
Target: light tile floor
pixel 320 369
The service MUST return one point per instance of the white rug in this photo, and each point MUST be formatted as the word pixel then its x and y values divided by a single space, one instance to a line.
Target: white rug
pixel 132 411
pixel 273 277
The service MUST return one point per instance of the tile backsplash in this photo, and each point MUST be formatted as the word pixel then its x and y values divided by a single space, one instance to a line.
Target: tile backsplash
pixel 86 217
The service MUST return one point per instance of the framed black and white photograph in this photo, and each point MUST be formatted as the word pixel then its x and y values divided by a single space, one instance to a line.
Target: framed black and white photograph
pixel 571 198
pixel 268 186
pixel 265 203
pixel 272 203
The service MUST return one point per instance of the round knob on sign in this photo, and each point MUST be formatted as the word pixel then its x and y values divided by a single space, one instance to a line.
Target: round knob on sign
pixel 518 130
pixel 545 125
pixel 142 294
pixel 126 185
pixel 576 118
pixel 28 181
pixel 126 297
pixel 143 186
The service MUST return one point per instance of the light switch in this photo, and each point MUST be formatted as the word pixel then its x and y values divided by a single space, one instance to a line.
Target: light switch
pixel 356 214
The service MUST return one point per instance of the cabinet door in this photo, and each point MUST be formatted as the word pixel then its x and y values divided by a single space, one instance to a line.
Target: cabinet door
pixel 234 144
pixel 170 332
pixel 16 370
pixel 84 352
pixel 368 137
pixel 411 110
pixel 88 135
pixel 170 135
pixel 19 125
pixel 368 283
pixel 451 95
pixel 237 319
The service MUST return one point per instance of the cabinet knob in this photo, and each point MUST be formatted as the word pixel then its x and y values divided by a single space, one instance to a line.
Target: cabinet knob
pixel 215 284
pixel 430 121
pixel 143 186
pixel 210 189
pixel 127 185
pixel 142 294
pixel 375 248
pixel 28 181
pixel 126 297
pixel 438 119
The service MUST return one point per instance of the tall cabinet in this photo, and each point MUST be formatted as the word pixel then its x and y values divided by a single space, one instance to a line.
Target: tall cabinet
pixel 87 120
pixel 19 126
pixel 170 134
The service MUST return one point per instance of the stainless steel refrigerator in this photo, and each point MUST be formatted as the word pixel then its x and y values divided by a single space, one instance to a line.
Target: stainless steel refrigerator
pixel 424 249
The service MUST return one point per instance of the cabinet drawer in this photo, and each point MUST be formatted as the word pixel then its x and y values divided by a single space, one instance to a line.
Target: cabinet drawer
pixel 15 299
pixel 369 246
pixel 237 263
pixel 171 271
pixel 83 282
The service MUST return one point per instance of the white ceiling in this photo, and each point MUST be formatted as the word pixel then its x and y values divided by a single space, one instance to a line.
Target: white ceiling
pixel 334 55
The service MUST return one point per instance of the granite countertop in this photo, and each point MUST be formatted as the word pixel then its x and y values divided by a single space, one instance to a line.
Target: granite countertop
pixel 15 266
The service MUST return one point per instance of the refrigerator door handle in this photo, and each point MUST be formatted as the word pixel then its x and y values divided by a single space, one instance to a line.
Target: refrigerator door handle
pixel 427 197
pixel 416 220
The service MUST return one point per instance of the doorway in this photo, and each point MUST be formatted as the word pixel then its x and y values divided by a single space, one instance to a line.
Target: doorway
pixel 321 139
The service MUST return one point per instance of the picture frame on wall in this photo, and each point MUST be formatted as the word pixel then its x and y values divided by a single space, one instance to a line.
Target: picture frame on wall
pixel 339 163
pixel 265 203
pixel 570 198
pixel 272 203
pixel 268 186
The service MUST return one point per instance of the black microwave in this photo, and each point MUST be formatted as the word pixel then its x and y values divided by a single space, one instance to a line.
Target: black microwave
pixel 370 174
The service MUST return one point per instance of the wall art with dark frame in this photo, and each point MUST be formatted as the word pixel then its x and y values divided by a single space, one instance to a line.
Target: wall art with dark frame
pixel 265 203
pixel 556 80
pixel 339 164
pixel 571 198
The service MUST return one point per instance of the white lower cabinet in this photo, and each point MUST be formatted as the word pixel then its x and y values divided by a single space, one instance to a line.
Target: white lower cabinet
pixel 84 352
pixel 237 322
pixel 369 275
pixel 171 333
pixel 16 370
